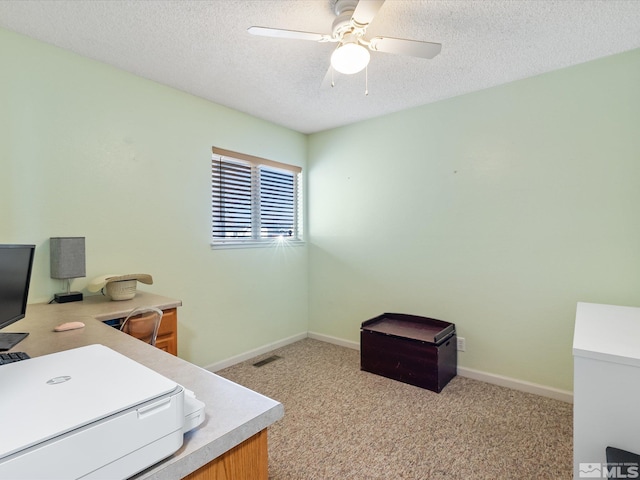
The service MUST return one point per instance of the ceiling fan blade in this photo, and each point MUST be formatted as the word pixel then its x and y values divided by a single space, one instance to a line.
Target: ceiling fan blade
pixel 413 48
pixel 365 11
pixel 293 34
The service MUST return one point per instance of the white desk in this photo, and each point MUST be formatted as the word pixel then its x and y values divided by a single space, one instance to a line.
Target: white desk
pixel 234 431
pixel 606 392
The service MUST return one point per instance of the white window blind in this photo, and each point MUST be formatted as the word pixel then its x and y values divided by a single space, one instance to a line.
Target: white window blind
pixel 254 201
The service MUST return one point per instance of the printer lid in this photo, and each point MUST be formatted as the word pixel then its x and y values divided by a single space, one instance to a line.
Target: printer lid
pixel 47 396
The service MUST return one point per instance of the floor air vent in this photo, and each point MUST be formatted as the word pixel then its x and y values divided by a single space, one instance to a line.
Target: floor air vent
pixel 266 360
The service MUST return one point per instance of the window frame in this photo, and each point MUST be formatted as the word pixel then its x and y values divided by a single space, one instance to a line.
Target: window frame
pixel 256 164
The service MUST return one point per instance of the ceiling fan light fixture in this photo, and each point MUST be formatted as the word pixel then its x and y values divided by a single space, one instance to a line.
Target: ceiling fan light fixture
pixel 350 58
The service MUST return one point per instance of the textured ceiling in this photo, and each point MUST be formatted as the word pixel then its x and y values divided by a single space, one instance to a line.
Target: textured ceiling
pixel 202 47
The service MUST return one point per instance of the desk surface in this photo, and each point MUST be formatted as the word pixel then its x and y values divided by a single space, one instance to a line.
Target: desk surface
pixel 101 307
pixel 233 413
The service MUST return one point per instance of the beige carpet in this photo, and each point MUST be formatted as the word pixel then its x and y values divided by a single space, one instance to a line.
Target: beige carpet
pixel 342 423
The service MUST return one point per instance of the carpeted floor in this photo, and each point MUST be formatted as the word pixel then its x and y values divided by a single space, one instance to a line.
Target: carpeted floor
pixel 342 423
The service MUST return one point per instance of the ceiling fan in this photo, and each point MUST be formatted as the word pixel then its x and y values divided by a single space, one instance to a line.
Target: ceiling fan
pixel 348 31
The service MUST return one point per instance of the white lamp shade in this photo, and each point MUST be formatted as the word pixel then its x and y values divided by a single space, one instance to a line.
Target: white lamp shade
pixel 350 58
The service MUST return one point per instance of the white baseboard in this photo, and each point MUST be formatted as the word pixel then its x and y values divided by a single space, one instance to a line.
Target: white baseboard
pixel 335 340
pixel 515 384
pixel 214 367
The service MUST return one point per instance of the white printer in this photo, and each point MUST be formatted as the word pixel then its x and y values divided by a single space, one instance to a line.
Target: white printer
pixel 89 413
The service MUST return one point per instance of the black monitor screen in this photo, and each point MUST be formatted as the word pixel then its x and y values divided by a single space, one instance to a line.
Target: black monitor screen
pixel 16 262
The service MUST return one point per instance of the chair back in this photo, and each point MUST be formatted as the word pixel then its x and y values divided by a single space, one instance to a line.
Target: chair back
pixel 143 323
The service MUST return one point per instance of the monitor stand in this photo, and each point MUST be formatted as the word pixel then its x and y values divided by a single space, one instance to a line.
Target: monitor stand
pixel 9 340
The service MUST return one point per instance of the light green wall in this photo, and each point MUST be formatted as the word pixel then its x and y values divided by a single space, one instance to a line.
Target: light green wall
pixel 89 150
pixel 497 210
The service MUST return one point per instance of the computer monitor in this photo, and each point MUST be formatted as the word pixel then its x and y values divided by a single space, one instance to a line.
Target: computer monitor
pixel 16 262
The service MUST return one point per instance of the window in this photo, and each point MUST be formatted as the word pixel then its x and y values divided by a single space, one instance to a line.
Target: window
pixel 254 201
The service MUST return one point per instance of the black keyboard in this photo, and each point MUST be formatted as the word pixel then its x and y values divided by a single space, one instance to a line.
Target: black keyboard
pixel 6 358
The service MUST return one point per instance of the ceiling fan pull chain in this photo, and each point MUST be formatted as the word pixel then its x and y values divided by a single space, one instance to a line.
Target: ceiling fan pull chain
pixel 366 81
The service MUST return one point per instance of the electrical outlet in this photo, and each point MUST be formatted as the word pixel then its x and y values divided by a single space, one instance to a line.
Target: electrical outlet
pixel 462 344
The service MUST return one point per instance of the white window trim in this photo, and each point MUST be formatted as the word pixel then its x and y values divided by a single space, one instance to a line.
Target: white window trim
pixel 272 242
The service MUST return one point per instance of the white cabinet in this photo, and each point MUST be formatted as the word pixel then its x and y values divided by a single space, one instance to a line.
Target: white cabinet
pixel 606 382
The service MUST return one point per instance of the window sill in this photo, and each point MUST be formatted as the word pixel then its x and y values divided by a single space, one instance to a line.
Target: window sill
pixel 276 243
